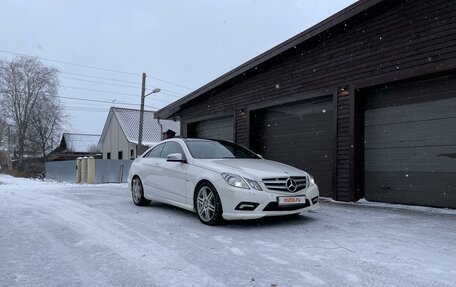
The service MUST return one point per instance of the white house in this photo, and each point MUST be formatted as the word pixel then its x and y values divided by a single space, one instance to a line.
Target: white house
pixel 120 135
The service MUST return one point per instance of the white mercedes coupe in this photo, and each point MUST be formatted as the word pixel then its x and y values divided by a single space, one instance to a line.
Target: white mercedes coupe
pixel 219 180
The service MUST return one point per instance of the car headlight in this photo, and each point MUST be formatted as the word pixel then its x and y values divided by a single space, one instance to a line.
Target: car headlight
pixel 253 184
pixel 235 180
pixel 311 179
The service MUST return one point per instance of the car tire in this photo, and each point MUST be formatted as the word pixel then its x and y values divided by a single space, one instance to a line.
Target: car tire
pixel 208 205
pixel 137 192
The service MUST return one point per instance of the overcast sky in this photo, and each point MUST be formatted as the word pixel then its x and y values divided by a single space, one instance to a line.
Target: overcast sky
pixel 180 45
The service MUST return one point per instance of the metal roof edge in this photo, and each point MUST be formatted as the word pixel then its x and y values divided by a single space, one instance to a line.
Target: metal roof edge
pixel 131 109
pixel 81 134
pixel 122 128
pixel 332 21
pixel 105 127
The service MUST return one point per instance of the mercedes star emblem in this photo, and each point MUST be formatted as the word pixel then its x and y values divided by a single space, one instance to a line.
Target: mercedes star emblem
pixel 291 185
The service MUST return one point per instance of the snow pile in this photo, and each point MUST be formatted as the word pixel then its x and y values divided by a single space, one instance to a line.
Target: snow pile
pixel 6 179
pixel 364 202
pixel 10 183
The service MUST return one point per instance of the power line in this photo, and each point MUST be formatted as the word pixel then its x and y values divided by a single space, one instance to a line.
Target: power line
pixel 155 108
pixel 100 91
pixel 115 93
pixel 102 101
pixel 128 82
pixel 101 78
pixel 86 109
pixel 84 99
pixel 162 101
pixel 164 91
pixel 96 68
pixel 171 95
pixel 171 83
pixel 74 64
pixel 95 101
pixel 103 83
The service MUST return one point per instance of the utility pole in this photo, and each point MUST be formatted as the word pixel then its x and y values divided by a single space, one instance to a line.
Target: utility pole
pixel 141 115
pixel 140 148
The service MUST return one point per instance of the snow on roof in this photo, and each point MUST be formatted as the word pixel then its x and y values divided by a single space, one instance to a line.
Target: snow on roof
pixel 81 142
pixel 129 123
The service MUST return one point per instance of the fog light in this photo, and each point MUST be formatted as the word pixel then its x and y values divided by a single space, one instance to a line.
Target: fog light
pixel 247 206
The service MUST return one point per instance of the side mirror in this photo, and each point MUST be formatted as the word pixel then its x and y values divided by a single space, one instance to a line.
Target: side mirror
pixel 175 157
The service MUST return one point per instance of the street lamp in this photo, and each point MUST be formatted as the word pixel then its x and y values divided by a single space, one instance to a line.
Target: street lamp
pixel 141 112
pixel 156 90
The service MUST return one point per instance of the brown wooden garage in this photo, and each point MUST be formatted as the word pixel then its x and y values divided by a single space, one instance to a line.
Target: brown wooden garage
pixel 384 63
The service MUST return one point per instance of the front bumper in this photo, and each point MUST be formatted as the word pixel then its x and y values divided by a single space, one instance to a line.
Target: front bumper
pixel 266 203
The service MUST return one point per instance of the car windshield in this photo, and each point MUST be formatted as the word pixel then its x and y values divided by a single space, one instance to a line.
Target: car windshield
pixel 213 149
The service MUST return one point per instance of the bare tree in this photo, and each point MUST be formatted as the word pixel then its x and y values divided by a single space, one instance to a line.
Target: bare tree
pixel 46 126
pixel 3 127
pixel 25 82
pixel 93 149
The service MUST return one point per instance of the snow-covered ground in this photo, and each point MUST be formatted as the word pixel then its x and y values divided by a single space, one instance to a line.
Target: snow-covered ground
pixel 55 234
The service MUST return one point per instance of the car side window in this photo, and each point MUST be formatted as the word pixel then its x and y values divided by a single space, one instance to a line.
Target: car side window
pixel 171 147
pixel 156 151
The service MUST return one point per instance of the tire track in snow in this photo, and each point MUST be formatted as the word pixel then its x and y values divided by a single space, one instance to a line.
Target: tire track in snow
pixel 275 259
pixel 162 265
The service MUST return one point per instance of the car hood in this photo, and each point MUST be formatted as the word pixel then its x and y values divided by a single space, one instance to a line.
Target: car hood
pixel 252 168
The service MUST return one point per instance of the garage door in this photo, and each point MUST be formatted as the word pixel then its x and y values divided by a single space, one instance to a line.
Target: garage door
pixel 410 144
pixel 298 134
pixel 219 128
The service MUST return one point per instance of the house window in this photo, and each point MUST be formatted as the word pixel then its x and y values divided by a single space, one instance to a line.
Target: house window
pixel 120 155
pixel 108 155
pixel 132 154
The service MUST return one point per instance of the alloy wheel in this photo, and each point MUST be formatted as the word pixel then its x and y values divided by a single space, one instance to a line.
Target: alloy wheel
pixel 136 190
pixel 206 203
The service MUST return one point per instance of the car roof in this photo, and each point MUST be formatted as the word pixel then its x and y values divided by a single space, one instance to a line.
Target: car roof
pixel 199 139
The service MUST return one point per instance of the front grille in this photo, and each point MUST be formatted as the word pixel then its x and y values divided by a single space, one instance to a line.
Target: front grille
pixel 280 183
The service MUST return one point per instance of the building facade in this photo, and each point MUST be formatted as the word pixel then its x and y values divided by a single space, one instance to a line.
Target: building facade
pixel 119 139
pixel 364 100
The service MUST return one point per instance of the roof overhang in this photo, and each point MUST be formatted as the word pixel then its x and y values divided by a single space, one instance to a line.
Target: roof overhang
pixel 341 16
